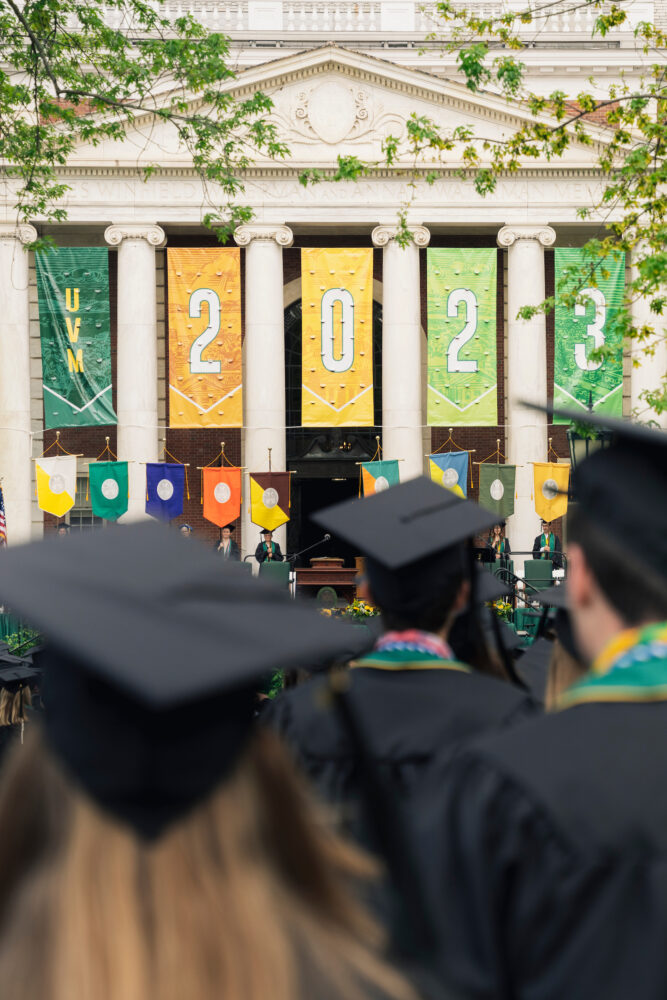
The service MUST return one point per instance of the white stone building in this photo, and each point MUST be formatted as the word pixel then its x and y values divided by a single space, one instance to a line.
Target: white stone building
pixel 342 75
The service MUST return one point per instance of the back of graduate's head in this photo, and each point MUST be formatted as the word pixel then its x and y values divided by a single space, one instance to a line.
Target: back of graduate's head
pixel 617 542
pixel 230 902
pixel 425 594
pixel 636 592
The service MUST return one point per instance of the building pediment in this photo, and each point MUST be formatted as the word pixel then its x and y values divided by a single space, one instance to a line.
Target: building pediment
pixel 332 101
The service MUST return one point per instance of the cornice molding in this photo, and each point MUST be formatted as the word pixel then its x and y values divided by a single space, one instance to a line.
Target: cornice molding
pixel 23 233
pixel 383 235
pixel 282 235
pixel 509 235
pixel 154 235
pixel 547 171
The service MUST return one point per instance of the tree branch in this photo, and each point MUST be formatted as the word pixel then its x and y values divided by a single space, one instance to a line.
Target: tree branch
pixel 37 45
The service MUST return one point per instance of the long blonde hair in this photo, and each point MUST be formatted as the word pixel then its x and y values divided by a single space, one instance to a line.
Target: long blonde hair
pixel 13 705
pixel 248 898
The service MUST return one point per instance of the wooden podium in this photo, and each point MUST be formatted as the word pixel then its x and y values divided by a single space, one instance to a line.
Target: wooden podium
pixel 327 571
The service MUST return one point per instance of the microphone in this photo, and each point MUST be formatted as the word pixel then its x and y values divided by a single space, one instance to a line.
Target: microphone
pixel 327 537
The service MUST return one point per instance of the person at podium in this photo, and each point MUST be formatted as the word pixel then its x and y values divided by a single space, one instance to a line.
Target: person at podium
pixel 499 544
pixel 227 547
pixel 547 545
pixel 268 550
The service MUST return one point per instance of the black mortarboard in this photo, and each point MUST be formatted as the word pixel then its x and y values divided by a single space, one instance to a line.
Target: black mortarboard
pixel 554 597
pixel 533 667
pixel 410 521
pixel 621 489
pixel 266 531
pixel 490 587
pixel 17 674
pixel 404 532
pixel 229 527
pixel 154 653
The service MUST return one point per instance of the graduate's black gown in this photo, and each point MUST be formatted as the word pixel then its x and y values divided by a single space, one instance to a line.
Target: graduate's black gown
pixel 408 717
pixel 547 857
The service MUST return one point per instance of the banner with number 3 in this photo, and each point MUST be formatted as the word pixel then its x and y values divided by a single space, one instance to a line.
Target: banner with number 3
pixel 205 367
pixel 462 367
pixel 580 374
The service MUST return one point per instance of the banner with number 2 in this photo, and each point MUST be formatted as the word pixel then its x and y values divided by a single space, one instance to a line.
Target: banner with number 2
pixel 205 367
pixel 462 367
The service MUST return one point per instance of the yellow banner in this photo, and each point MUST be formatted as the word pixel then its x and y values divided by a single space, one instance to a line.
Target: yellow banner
pixel 205 369
pixel 337 332
pixel 551 483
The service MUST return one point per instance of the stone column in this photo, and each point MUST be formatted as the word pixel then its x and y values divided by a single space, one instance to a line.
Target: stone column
pixel 263 361
pixel 402 417
pixel 650 369
pixel 526 373
pixel 136 383
pixel 15 441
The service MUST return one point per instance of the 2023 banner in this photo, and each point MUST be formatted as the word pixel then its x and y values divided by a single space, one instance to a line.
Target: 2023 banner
pixel 582 329
pixel 462 368
pixel 337 338
pixel 205 367
pixel 74 328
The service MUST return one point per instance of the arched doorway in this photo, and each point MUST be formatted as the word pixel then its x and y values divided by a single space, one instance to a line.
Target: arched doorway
pixel 323 460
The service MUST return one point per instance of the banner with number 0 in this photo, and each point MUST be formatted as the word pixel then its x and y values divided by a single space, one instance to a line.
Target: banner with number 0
pixel 582 329
pixel 337 332
pixel 205 368
pixel 462 366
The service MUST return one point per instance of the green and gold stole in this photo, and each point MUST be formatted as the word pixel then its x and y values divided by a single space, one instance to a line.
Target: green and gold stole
pixel 632 667
pixel 407 659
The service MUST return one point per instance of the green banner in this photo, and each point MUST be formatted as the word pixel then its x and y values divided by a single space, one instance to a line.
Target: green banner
pixel 581 329
pixel 108 489
pixel 462 368
pixel 496 488
pixel 74 326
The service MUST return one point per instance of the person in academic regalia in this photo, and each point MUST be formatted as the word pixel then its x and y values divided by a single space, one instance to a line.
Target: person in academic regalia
pixel 155 843
pixel 499 543
pixel 547 545
pixel 15 701
pixel 227 547
pixel 268 550
pixel 547 849
pixel 413 697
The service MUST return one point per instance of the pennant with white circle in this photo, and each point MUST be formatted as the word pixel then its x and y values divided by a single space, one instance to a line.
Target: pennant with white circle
pixel 165 488
pixel 221 494
pixel 108 489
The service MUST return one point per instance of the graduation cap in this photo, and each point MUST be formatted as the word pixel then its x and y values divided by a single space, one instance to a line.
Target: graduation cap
pixel 533 667
pixel 153 659
pixel 18 674
pixel 621 489
pixel 553 597
pixel 229 527
pixel 490 587
pixel 410 535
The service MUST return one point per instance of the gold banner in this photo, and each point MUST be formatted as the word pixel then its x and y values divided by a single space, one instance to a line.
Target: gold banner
pixel 337 332
pixel 205 376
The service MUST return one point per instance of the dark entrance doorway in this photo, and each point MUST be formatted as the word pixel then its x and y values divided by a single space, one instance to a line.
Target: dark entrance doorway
pixel 308 496
pixel 324 461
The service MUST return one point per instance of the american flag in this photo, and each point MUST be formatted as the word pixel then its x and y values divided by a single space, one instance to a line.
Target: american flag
pixel 3 520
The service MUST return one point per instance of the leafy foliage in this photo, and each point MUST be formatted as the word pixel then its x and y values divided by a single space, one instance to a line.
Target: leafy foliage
pixel 82 72
pixel 628 137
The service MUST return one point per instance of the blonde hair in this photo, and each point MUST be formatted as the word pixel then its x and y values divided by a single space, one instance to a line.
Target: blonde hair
pixel 13 705
pixel 248 898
